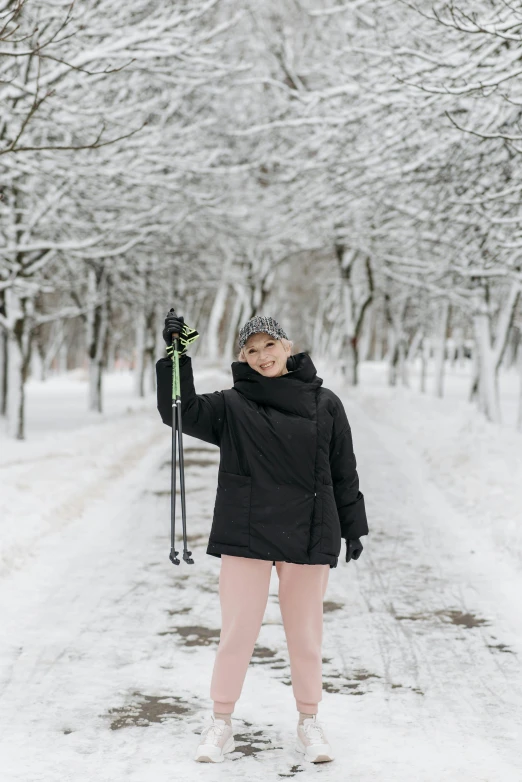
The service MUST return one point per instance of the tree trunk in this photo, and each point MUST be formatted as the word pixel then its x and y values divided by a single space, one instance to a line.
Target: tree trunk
pixel 403 364
pixel 62 352
pixel 504 325
pixel 263 290
pixel 320 335
pixel 111 353
pixel 97 327
pixel 336 341
pixel 396 340
pixel 248 308
pixel 519 362
pixel 459 346
pixel 393 357
pixel 425 360
pixel 15 390
pixel 440 350
pixel 414 346
pixel 366 335
pixel 350 360
pixel 38 365
pixel 380 337
pixel 356 298
pixel 19 352
pixel 150 350
pixel 158 340
pixel 349 342
pixel 474 386
pixel 234 324
pixel 214 322
pixel 3 372
pixel 139 359
pixel 487 389
pixel 199 308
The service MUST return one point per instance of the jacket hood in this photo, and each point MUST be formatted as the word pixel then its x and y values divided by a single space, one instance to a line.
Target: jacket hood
pixel 294 392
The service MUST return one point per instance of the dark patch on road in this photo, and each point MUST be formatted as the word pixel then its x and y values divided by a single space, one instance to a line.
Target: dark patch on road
pixel 455 617
pixel 349 689
pixel 177 611
pixel 195 457
pixel 292 771
pixel 263 655
pixel 329 606
pixel 361 675
pixel 195 635
pixel 350 685
pixel 166 492
pixel 407 687
pixel 199 461
pixel 251 743
pixel 263 652
pixel 282 667
pixel 501 648
pixel 208 586
pixel 197 538
pixel 414 617
pixel 178 580
pixel 353 683
pixel 462 619
pixel 145 710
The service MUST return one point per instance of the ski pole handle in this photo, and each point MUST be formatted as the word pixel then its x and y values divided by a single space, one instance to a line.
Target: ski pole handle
pixel 176 390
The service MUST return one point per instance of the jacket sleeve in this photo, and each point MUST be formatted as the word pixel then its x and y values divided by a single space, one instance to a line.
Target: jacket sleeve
pixel 343 466
pixel 202 415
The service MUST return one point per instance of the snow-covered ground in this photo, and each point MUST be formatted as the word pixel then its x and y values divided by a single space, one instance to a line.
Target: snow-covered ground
pixel 107 648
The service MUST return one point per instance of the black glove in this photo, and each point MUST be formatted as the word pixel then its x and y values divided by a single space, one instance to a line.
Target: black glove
pixel 353 549
pixel 173 325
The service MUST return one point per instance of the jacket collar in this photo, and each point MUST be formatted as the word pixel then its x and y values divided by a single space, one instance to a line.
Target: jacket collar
pixel 294 392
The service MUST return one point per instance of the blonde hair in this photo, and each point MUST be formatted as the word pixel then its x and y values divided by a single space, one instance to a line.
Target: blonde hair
pixel 287 343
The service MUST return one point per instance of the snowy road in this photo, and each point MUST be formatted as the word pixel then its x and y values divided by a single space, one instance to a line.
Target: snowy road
pixel 107 649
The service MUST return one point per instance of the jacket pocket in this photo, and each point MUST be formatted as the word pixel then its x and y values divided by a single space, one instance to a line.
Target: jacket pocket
pixel 231 521
pixel 330 524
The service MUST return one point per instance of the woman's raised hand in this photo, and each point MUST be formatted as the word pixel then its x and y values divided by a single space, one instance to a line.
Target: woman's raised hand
pixel 173 326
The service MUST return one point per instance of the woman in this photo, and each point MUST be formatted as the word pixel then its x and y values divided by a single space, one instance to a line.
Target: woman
pixel 287 493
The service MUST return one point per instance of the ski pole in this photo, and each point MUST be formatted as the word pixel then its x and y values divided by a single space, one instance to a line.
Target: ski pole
pixel 177 440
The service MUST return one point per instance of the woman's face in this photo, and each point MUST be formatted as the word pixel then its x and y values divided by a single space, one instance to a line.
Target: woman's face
pixel 266 355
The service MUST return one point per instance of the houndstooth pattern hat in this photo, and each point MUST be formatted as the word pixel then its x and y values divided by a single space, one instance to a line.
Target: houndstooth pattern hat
pixel 258 324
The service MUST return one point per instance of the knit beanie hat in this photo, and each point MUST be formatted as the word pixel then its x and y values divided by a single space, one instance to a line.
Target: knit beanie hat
pixel 260 324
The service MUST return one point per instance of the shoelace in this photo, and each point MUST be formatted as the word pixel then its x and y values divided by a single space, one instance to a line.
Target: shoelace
pixel 314 732
pixel 212 733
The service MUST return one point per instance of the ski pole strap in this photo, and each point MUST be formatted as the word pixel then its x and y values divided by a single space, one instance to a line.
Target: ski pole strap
pixel 186 338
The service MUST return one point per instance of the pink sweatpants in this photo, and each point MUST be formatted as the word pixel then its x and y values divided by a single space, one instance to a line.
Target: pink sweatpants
pixel 243 594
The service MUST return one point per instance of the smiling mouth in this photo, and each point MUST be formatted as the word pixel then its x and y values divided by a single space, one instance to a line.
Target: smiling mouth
pixel 267 366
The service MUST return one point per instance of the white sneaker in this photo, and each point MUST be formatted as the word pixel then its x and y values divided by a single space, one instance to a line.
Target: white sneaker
pixel 217 738
pixel 312 742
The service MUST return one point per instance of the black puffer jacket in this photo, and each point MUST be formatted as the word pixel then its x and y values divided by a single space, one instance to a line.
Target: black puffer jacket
pixel 287 484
